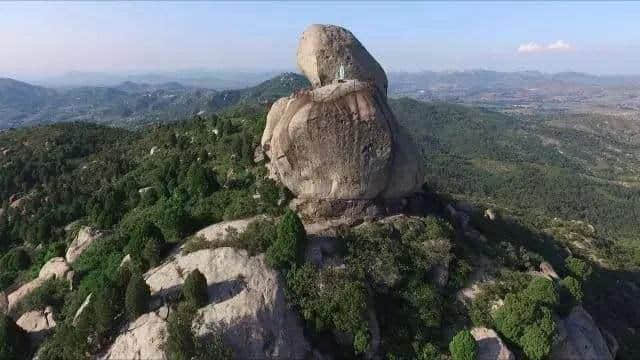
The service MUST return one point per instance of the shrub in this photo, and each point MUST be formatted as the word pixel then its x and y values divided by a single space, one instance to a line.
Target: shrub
pixel 180 343
pixel 107 303
pixel 152 252
pixel 428 351
pixel 51 293
pixel 137 296
pixel 541 291
pixel 574 287
pixel 330 299
pixel 426 301
pixel 288 247
pixel 537 338
pixel 463 346
pixel 578 268
pixel 15 260
pixel 513 316
pixel 195 289
pixel 14 343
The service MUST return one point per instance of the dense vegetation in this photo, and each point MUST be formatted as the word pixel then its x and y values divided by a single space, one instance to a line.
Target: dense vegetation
pixel 150 190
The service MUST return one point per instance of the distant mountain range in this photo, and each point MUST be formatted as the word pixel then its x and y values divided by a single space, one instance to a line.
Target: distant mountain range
pixel 165 98
pixel 129 103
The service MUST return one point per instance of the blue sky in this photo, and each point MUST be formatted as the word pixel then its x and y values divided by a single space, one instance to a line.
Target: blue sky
pixel 56 37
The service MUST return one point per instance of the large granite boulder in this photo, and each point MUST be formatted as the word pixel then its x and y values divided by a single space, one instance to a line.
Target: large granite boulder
pixel 579 338
pixel 37 323
pixel 323 49
pixel 340 140
pixel 54 268
pixel 246 300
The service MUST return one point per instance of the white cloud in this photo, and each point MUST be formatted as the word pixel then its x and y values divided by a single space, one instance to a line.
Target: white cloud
pixel 533 47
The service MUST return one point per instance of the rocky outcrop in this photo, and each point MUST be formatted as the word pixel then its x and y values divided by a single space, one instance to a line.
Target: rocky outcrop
pixel 38 324
pixel 220 231
pixel 579 338
pixel 323 49
pixel 246 300
pixel 85 237
pixel 490 345
pixel 340 140
pixel 142 339
pixel 54 268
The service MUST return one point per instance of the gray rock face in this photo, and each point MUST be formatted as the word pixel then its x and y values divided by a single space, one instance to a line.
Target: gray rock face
pixel 490 345
pixel 340 140
pixel 323 49
pixel 579 338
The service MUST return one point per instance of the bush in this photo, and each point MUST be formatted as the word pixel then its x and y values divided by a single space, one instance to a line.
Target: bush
pixel 541 291
pixel 330 299
pixel 428 351
pixel 537 338
pixel 578 268
pixel 137 296
pixel 107 303
pixel 426 301
pixel 51 293
pixel 195 289
pixel 180 343
pixel 15 260
pixel 14 343
pixel 574 287
pixel 288 247
pixel 152 252
pixel 463 346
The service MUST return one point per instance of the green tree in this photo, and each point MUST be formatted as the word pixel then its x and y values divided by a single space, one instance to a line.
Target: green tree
pixel 541 291
pixel 137 296
pixel 14 343
pixel 428 351
pixel 463 346
pixel 152 252
pixel 288 247
pixel 180 343
pixel 578 268
pixel 537 338
pixel 195 289
pixel 574 287
pixel 201 181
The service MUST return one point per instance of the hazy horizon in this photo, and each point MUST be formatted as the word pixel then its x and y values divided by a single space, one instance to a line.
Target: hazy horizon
pixel 41 40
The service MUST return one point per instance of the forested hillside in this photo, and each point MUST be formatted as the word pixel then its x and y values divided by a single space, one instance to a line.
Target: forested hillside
pixel 531 168
pixel 147 191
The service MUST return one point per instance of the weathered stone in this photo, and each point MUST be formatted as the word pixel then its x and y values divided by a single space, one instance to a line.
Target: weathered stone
pixel 340 140
pixel 323 49
pixel 38 324
pixel 579 338
pixel 54 268
pixel 220 231
pixel 85 237
pixel 82 308
pixel 142 339
pixel 548 270
pixel 246 300
pixel 490 214
pixel 125 260
pixel 20 293
pixel 490 345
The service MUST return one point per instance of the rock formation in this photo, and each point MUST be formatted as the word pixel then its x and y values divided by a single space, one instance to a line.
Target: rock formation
pixel 579 338
pixel 340 140
pixel 246 299
pixel 490 345
pixel 38 324
pixel 54 268
pixel 85 237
